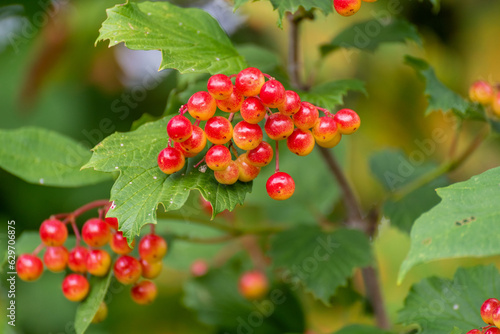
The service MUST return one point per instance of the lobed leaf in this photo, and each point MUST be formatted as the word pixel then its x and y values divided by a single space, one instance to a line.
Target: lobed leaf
pixel 331 94
pixel 284 6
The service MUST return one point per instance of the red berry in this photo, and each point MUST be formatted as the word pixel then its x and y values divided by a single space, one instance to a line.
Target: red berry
pixel 229 175
pixel 247 172
pixel 261 156
pixel 119 244
pixel 306 117
pixel 179 128
pixel 291 105
pixel 29 267
pixel 201 105
pixel 112 222
pixel 101 314
pixel 199 268
pixel 219 130
pixel 249 81
pixel 474 331
pixel 481 91
pixel 252 110
pixel 171 160
pixel 347 120
pixel 231 104
pixel 253 285
pixel 77 259
pixel 98 262
pixel 53 232
pixel 196 143
pixel 495 315
pixel 280 186
pixel 278 126
pixel 272 94
pixel 300 142
pixel 332 143
pixel 127 269
pixel 247 136
pixel 218 157
pixel 56 258
pixel 347 7
pixel 487 310
pixel 325 129
pixel 220 86
pixel 75 287
pixel 151 270
pixel 144 292
pixel 152 248
pixel 492 330
pixel 96 232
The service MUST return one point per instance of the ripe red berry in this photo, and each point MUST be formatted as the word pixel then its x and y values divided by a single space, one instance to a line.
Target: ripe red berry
pixel 101 314
pixel 487 310
pixel 279 126
pixel 199 268
pixel 77 259
pixel 291 105
pixel 229 175
pixel 492 330
pixel 249 81
pixel 325 129
pixel 231 104
pixel 201 105
pixel 300 142
pixel 196 143
pixel 347 7
pixel 144 292
pixel 112 222
pixel 219 130
pixel 247 136
pixel 171 160
pixel 218 157
pixel 331 143
pixel 272 94
pixel 98 262
pixel 306 117
pixel 179 128
pixel 185 153
pixel 247 172
pixel 347 120
pixel 261 156
pixel 151 270
pixel 56 258
pixel 96 232
pixel 127 269
pixel 53 232
pixel 119 244
pixel 220 86
pixel 75 287
pixel 280 186
pixel 252 110
pixel 495 315
pixel 481 91
pixel 474 331
pixel 253 285
pixel 29 267
pixel 152 248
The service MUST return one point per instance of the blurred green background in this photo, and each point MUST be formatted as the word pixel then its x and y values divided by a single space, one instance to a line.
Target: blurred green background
pixel 52 76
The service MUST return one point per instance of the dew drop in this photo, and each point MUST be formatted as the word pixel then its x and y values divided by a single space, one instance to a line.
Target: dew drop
pixel 149 14
pixel 154 177
pixel 180 23
pixel 121 144
pixel 130 183
pixel 116 167
pixel 41 181
pixel 456 307
pixel 198 32
pixel 217 58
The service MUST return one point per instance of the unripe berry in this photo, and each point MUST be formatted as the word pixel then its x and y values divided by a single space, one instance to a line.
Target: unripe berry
pixel 495 104
pixel 196 143
pixel 144 292
pixel 112 222
pixel 291 105
pixel 252 110
pixel 119 244
pixel 247 136
pixel 29 267
pixel 201 105
pixel 127 269
pixel 279 126
pixel 325 129
pixel 56 258
pixel 199 268
pixel 96 232
pixel 272 94
pixel 219 130
pixel 171 160
pixel 229 175
pixel 152 248
pixel 331 143
pixel 249 81
pixel 151 270
pixel 347 121
pixel 481 91
pixel 101 314
pixel 98 262
pixel 487 309
pixel 220 86
pixel 218 157
pixel 179 128
pixel 231 104
pixel 53 232
pixel 306 117
pixel 300 142
pixel 77 259
pixel 253 285
pixel 347 7
pixel 247 172
pixel 261 156
pixel 280 186
pixel 75 287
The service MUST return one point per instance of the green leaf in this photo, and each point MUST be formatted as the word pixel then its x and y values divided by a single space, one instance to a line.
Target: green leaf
pixel 438 305
pixel 259 57
pixel 47 158
pixel 325 260
pixel 239 3
pixel 361 329
pixel 283 6
pixel 189 39
pixel 362 35
pixel 394 170
pixel 88 308
pixel 331 94
pixel 141 185
pixel 460 225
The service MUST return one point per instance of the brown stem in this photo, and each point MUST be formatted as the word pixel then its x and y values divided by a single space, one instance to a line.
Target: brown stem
pixel 374 291
pixel 293 51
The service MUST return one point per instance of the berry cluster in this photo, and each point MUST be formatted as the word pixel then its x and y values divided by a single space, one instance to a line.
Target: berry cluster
pixel 482 92
pixel 490 313
pixel 81 262
pixel 348 7
pixel 250 98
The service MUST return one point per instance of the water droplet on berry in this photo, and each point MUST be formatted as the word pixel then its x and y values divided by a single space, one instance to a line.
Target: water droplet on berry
pixel 41 181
